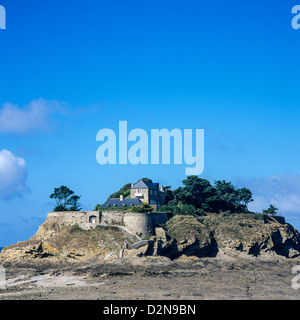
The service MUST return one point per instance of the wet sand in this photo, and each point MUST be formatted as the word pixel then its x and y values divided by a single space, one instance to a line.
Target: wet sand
pixel 151 279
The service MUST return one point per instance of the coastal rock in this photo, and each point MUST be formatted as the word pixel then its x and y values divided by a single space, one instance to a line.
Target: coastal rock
pixel 211 235
pixel 67 245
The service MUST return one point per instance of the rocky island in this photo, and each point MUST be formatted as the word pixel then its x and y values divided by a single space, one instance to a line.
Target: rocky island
pixel 140 253
pixel 239 253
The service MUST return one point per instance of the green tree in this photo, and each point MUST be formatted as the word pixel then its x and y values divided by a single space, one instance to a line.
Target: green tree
pixel 65 199
pixel 181 208
pixel 97 207
pixel 143 208
pixel 271 210
pixel 169 194
pixel 147 179
pixel 226 191
pixel 229 197
pixel 125 191
pixel 196 192
pixel 244 197
pixel 73 203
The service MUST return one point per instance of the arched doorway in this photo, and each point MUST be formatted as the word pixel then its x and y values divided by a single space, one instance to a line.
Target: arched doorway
pixel 93 219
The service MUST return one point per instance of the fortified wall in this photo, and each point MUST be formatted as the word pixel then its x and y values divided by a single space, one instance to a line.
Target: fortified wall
pixel 140 224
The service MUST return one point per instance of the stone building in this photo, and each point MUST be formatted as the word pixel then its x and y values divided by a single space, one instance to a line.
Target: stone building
pixel 142 191
pixel 148 192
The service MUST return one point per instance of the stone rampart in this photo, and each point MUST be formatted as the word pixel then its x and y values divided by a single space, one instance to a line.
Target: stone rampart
pixel 141 224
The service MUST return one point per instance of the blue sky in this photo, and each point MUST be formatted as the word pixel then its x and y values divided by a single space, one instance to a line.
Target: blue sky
pixel 71 68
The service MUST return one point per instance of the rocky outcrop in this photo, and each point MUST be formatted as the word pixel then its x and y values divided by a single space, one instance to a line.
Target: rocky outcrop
pixel 205 236
pixel 67 245
pixel 237 233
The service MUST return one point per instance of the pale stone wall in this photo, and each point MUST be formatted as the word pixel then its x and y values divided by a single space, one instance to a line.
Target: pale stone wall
pixel 141 224
pixel 112 218
pixel 145 193
pixel 69 218
pixel 144 223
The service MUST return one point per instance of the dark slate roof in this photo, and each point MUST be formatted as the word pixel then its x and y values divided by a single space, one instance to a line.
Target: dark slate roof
pixel 116 202
pixel 144 184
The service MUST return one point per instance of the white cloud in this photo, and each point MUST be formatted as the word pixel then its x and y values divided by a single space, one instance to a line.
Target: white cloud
pixel 34 117
pixel 283 191
pixel 13 173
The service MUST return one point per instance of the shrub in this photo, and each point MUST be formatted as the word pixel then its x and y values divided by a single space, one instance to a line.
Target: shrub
pixel 271 210
pixel 258 216
pixel 226 213
pixel 143 208
pixel 183 209
pixel 75 228
pixel 97 207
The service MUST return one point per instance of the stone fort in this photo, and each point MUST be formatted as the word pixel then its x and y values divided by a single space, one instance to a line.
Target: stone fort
pixel 139 224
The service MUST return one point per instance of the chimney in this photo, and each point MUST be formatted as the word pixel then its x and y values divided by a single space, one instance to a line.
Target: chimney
pixel 121 197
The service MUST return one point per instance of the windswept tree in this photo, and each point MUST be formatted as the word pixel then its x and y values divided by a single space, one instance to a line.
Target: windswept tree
pixel 169 194
pixel 196 192
pixel 226 195
pixel 199 193
pixel 226 190
pixel 271 210
pixel 229 197
pixel 244 197
pixel 125 191
pixel 65 199
pixel 73 203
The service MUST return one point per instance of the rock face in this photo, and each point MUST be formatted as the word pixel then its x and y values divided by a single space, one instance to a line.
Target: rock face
pixel 205 236
pixel 251 234
pixel 68 245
